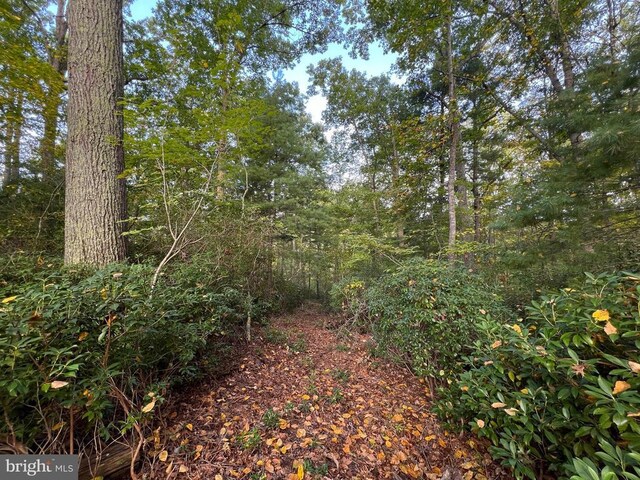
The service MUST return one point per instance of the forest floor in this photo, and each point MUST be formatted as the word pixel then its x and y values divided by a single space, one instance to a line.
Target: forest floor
pixel 304 402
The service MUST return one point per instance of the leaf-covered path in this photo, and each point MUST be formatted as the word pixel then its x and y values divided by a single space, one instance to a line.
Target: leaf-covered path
pixel 304 403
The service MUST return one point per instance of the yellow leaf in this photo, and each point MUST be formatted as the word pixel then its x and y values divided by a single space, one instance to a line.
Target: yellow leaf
pixel 57 426
pixel 285 448
pixel 620 387
pixel 306 397
pixel 189 427
pixel 218 477
pixel 464 388
pixel 517 328
pixel 183 469
pixel 635 367
pixel 301 433
pixel 397 417
pixel 149 406
pixel 163 456
pixel 498 405
pixel 283 424
pixel 610 329
pixel 510 411
pixel 300 472
pixel 9 299
pixel 496 344
pixel 82 336
pixel 601 315
pixel 58 384
pixel 104 294
pixel 346 449
pixel 524 391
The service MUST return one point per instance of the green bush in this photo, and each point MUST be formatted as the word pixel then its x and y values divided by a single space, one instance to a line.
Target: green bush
pixel 99 346
pixel 427 313
pixel 559 392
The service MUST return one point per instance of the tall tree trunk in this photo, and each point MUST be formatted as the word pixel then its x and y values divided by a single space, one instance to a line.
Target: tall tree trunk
pixel 395 179
pixel 95 202
pixel 454 127
pixel 475 190
pixel 58 60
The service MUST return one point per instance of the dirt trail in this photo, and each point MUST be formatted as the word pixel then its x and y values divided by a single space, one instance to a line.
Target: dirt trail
pixel 306 404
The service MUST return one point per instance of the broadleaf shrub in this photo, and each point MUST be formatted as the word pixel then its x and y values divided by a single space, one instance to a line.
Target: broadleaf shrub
pixel 559 392
pixel 427 313
pixel 84 343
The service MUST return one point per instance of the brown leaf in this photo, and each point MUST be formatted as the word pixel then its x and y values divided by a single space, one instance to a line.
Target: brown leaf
pixel 620 387
pixel 635 367
pixel 498 405
pixel 58 384
pixel 579 369
pixel 610 329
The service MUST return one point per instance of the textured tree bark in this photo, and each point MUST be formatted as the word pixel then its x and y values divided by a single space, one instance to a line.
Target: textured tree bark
pixel 95 202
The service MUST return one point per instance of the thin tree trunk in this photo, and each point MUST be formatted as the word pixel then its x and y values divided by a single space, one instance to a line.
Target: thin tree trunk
pixel 454 126
pixel 13 138
pixel 58 60
pixel 475 190
pixel 95 202
pixel 395 180
pixel 17 139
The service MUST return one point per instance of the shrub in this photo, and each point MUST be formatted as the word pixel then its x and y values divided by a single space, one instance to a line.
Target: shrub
pixel 100 348
pixel 559 392
pixel 427 314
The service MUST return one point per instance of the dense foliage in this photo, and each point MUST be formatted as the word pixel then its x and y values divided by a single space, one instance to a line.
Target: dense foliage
pixel 505 140
pixel 100 347
pixel 427 314
pixel 558 391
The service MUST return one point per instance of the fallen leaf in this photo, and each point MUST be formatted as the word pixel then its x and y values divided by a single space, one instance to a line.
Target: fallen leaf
pixel 635 367
pixel 9 299
pixel 397 418
pixel 300 472
pixel 301 433
pixel 149 406
pixel 498 405
pixel 610 329
pixel 620 387
pixel 496 344
pixel 82 336
pixel 58 384
pixel 163 456
pixel 510 411
pixel 480 423
pixel 218 477
pixel 189 427
pixel 183 469
pixel 57 426
pixel 283 424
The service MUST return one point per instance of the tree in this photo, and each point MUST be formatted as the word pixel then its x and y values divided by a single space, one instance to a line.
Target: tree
pixel 95 203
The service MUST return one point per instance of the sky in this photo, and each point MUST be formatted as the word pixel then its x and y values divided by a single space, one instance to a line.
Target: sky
pixel 378 62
